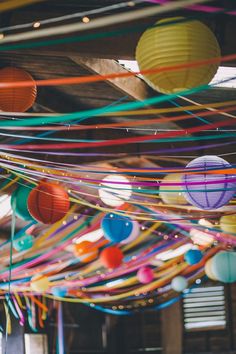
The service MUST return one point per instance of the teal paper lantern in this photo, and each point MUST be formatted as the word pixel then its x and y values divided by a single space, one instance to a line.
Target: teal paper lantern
pixel 59 291
pixel 23 243
pixel 179 284
pixel 223 266
pixel 193 257
pixel 19 200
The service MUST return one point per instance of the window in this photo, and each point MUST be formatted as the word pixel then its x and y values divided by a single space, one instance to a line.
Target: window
pixel 204 308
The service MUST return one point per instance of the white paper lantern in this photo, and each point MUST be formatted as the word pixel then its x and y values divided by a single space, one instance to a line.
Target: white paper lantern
pixel 115 190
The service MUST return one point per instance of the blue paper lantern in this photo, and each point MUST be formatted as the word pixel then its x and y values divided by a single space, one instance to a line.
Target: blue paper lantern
pixel 23 243
pixel 207 195
pixel 19 200
pixel 193 256
pixel 116 228
pixel 223 266
pixel 179 284
pixel 59 291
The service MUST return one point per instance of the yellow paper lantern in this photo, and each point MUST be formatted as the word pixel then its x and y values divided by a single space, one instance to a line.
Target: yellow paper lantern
pixel 208 270
pixel 39 283
pixel 176 44
pixel 228 223
pixel 166 192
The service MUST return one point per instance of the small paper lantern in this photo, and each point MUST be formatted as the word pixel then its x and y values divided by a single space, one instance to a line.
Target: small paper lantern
pixel 19 201
pixel 23 243
pixel 134 233
pixel 224 266
pixel 111 257
pixel 59 291
pixel 40 283
pixel 116 228
pixel 208 270
pixel 228 223
pixel 166 192
pixel 176 44
pixel 48 203
pixel 211 196
pixel 145 275
pixel 193 256
pixel 16 99
pixel 179 284
pixel 201 238
pixel 86 251
pixel 115 190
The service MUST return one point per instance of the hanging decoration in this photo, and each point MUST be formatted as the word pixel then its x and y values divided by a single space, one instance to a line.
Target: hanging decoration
pixel 173 193
pixel 116 228
pixel 19 200
pixel 115 190
pixel 111 257
pixel 176 43
pixel 86 251
pixel 16 99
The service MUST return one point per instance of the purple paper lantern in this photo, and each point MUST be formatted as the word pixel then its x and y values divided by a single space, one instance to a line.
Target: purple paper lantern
pixel 203 194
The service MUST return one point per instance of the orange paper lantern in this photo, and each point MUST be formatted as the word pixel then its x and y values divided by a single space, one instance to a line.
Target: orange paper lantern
pixel 16 99
pixel 48 203
pixel 86 250
pixel 111 257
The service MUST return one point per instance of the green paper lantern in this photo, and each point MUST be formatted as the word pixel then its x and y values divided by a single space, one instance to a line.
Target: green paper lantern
pixel 19 202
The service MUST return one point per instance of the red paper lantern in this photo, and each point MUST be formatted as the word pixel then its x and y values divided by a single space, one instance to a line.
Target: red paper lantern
pixel 16 99
pixel 111 257
pixel 86 250
pixel 48 203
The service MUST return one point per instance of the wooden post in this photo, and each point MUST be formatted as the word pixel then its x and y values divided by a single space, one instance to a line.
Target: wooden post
pixel 15 341
pixel 172 329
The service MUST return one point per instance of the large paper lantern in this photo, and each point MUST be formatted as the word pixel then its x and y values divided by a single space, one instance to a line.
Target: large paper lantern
pixel 16 99
pixel 111 257
pixel 115 190
pixel 19 201
pixel 179 284
pixel 193 256
pixel 172 194
pixel 228 223
pixel 206 195
pixel 116 228
pixel 39 283
pixel 175 44
pixel 223 266
pixel 23 243
pixel 145 275
pixel 86 250
pixel 48 203
pixel 134 233
pixel 208 270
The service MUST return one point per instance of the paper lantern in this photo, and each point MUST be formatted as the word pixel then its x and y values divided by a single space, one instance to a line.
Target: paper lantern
pixel 16 99
pixel 224 266
pixel 208 196
pixel 201 238
pixel 48 203
pixel 86 250
pixel 134 233
pixel 59 291
pixel 23 243
pixel 145 275
pixel 172 194
pixel 40 283
pixel 193 256
pixel 176 44
pixel 179 284
pixel 115 190
pixel 111 257
pixel 19 201
pixel 228 223
pixel 116 228
pixel 208 270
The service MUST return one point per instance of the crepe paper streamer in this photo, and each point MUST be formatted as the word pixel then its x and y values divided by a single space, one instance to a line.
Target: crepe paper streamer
pixel 98 22
pixel 11 306
pixel 39 303
pixel 20 314
pixel 201 8
pixel 60 336
pixel 8 321
pixel 14 4
pixel 113 142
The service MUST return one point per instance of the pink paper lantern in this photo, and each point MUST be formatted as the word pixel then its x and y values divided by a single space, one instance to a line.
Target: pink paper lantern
pixel 145 275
